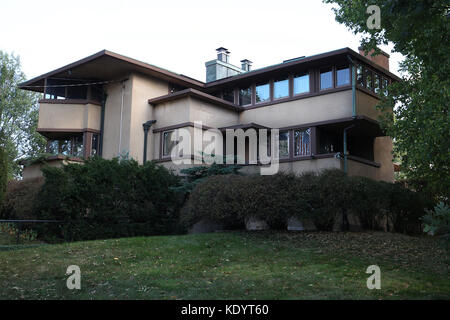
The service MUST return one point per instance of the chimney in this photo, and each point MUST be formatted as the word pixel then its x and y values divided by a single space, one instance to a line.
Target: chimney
pixel 221 67
pixel 381 59
pixel 246 65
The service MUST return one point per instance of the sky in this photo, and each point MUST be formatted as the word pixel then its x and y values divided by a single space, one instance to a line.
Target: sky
pixel 178 35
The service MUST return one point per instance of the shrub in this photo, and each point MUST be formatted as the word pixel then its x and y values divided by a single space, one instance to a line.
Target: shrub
pixel 437 221
pixel 323 197
pixel 109 198
pixel 20 199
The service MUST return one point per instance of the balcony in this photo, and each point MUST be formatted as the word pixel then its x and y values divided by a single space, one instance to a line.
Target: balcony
pixel 56 116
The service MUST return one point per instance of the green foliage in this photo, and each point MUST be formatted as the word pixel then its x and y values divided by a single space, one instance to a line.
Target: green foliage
pixel 437 221
pixel 20 199
pixel 108 198
pixel 18 115
pixel 419 31
pixel 3 175
pixel 322 198
pixel 195 175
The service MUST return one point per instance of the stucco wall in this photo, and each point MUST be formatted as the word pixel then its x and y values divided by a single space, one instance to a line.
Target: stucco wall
pixel 319 108
pixel 69 116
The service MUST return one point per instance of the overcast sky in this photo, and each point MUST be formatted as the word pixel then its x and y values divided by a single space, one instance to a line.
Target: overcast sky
pixel 178 35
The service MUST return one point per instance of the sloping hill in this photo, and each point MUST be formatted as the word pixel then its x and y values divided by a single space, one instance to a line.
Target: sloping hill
pixel 231 265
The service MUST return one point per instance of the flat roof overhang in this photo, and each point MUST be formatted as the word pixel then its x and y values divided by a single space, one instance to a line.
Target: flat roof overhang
pixel 105 66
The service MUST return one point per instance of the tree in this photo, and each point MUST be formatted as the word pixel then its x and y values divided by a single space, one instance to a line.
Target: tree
pixel 3 175
pixel 18 115
pixel 419 125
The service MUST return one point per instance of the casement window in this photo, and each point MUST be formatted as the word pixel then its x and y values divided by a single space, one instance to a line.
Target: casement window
pixel 228 95
pixel 284 144
pixel 385 84
pixel 301 83
pixel 326 78
pixel 369 80
pixel 359 75
pixel 262 92
pixel 376 83
pixel 95 144
pixel 342 76
pixel 245 96
pixel 168 143
pixel 302 142
pixel 281 88
pixel 71 146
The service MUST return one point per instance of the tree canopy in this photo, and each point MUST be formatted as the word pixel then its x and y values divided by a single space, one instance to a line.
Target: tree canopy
pixel 419 30
pixel 18 115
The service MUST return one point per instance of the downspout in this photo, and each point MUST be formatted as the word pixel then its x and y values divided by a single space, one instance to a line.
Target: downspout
pixel 146 126
pixel 353 86
pixel 102 124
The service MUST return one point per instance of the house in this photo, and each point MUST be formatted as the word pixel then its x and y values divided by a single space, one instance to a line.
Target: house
pixel 324 107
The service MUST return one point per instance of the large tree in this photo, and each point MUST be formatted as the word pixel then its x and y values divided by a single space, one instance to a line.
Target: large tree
pixel 18 115
pixel 419 30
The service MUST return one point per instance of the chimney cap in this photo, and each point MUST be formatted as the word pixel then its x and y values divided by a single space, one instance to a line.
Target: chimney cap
pixel 221 49
pixel 246 61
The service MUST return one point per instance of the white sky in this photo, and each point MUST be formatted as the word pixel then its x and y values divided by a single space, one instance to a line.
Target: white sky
pixel 179 35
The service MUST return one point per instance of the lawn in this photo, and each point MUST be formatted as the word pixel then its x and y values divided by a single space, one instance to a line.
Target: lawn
pixel 231 265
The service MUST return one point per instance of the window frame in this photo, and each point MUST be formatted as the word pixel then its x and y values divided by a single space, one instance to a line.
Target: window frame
pixel 349 67
pixel 296 75
pixel 286 78
pixel 294 156
pixel 332 78
pixel 163 156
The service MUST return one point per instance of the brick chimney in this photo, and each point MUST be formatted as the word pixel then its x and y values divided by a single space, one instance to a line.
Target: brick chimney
pixel 381 59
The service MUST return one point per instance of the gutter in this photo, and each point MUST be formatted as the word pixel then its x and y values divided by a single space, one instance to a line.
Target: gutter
pixel 353 85
pixel 345 147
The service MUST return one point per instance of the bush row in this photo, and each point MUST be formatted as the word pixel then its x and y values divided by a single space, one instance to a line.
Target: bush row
pixel 323 198
pixel 100 199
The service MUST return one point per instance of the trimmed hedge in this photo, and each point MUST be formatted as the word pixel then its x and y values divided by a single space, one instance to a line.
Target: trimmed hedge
pixel 108 199
pixel 323 198
pixel 20 199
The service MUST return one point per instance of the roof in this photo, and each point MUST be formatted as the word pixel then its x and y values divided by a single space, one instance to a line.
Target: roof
pixel 107 65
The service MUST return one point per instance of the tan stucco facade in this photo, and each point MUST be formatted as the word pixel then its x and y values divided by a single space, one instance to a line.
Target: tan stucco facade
pixel 78 116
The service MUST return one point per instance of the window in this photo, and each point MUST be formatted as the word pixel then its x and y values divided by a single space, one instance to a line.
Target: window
pixel 302 142
pixel 245 96
pixel 281 89
pixel 95 144
pixel 71 146
pixel 359 75
pixel 385 86
pixel 342 76
pixel 168 143
pixel 228 95
pixel 284 144
pixel 301 83
pixel 326 78
pixel 77 146
pixel 262 93
pixel 369 84
pixel 376 83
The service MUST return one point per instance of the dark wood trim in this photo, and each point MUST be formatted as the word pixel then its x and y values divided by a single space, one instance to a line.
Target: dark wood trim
pixel 178 126
pixel 365 161
pixel 67 130
pixel 196 94
pixel 70 101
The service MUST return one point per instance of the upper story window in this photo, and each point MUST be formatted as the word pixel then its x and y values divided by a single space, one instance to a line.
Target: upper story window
pixel 385 84
pixel 228 95
pixel 262 92
pixel 326 78
pixel 302 142
pixel 368 82
pixel 342 76
pixel 245 96
pixel 376 83
pixel 301 83
pixel 281 88
pixel 359 75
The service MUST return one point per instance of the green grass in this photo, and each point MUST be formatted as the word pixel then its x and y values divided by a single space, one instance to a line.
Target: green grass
pixel 231 265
